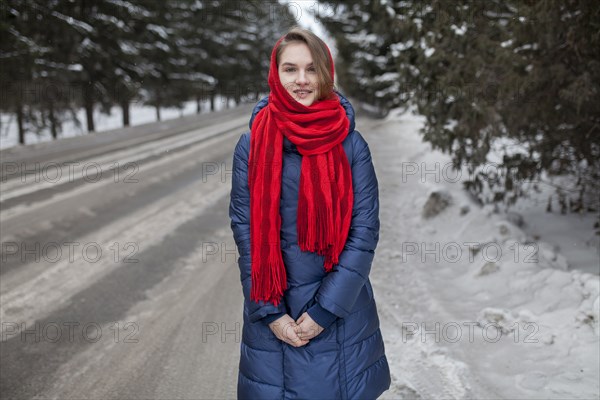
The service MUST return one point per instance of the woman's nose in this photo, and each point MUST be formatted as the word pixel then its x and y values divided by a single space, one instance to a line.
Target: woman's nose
pixel 301 78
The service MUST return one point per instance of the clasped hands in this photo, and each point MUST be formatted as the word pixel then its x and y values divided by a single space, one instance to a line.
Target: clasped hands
pixel 296 333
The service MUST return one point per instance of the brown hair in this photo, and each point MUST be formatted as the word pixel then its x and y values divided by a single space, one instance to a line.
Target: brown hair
pixel 319 53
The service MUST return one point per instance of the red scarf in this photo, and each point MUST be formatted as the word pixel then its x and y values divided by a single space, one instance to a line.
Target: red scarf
pixel 325 196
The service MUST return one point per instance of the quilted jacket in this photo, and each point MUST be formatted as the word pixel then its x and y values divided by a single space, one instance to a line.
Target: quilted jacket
pixel 347 360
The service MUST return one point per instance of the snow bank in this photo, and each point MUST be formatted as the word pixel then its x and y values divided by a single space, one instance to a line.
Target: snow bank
pixel 533 308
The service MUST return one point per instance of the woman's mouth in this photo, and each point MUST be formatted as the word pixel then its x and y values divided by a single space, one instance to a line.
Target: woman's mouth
pixel 302 93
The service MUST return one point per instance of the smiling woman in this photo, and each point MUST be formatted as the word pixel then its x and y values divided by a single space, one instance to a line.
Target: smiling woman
pixel 304 67
pixel 305 218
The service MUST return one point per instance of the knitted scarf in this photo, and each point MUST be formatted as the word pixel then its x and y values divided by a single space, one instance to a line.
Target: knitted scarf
pixel 325 195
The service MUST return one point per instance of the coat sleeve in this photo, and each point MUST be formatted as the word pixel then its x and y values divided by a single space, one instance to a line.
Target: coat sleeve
pixel 239 213
pixel 340 288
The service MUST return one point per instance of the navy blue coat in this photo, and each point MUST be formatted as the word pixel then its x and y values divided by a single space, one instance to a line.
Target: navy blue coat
pixel 347 360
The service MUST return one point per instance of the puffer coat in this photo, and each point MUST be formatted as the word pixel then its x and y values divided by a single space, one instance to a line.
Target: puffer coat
pixel 347 360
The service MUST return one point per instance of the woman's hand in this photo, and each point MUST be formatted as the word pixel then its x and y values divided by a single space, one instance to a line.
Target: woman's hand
pixel 286 329
pixel 308 327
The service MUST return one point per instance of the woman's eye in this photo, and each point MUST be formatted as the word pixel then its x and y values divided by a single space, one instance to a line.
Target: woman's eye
pixel 293 69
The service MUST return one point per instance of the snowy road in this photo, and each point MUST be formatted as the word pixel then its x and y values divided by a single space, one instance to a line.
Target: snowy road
pixel 78 325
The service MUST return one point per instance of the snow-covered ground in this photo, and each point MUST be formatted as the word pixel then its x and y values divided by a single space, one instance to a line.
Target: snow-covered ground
pixel 471 305
pixel 139 114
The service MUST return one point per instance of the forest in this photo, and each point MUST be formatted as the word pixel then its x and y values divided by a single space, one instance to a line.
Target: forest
pixel 509 88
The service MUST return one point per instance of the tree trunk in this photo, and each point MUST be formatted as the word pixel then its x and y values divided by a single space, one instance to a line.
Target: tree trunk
pixel 125 108
pixel 212 101
pixel 52 117
pixel 89 107
pixel 158 103
pixel 20 123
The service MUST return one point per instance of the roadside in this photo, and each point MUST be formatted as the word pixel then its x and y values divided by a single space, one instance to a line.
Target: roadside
pixel 471 306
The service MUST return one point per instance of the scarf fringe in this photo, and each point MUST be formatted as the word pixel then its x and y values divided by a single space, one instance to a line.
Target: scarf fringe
pixel 316 236
pixel 269 281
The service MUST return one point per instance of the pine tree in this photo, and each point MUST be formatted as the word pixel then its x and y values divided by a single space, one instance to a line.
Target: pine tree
pixel 508 88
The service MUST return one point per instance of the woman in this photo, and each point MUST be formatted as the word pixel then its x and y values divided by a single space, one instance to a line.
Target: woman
pixel 305 217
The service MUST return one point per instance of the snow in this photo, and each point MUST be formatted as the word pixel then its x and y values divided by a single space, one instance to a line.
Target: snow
pixel 160 30
pixel 128 47
pixel 67 67
pixel 393 88
pixel 113 20
pixel 571 233
pixel 428 50
pixel 83 27
pixel 505 146
pixel 131 8
pixel 163 46
pixel 197 77
pixel 30 43
pixel 527 46
pixel 378 60
pixel 459 30
pixel 386 77
pixel 139 114
pixel 88 43
pixel 390 11
pixel 471 304
pixel 243 47
pixel 364 38
pixel 396 48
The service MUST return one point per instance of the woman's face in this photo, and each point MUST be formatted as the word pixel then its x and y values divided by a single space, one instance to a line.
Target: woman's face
pixel 297 73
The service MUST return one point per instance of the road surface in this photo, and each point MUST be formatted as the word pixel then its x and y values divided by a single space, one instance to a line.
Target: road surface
pixel 118 271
